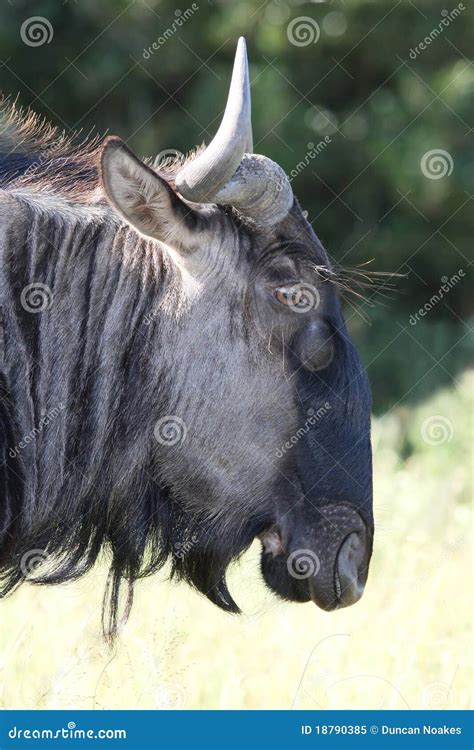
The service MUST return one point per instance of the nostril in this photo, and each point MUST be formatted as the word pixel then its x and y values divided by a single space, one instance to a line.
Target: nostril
pixel 272 542
pixel 349 572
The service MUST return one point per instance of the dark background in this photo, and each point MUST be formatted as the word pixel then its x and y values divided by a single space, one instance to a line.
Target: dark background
pixel 366 193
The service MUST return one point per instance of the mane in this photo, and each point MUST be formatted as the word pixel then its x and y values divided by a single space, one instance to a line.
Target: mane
pixel 36 156
pixel 92 503
pixel 39 158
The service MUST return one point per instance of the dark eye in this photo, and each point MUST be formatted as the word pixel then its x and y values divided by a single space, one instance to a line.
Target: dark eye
pixel 283 294
pixel 300 297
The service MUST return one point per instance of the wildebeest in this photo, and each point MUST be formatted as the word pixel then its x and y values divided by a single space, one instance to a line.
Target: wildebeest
pixel 176 376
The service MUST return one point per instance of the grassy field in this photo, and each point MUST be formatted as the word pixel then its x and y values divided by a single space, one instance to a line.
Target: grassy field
pixel 406 644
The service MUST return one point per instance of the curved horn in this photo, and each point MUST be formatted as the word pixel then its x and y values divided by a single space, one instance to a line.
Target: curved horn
pixel 202 179
pixel 259 189
pixel 227 172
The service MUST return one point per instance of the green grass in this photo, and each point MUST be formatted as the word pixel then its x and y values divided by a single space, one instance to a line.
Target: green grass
pixel 406 643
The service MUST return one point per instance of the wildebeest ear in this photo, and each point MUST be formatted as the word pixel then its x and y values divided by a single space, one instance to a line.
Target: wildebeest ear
pixel 143 198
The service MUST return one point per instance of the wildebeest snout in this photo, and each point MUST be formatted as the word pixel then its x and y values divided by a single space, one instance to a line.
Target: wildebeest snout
pixel 324 557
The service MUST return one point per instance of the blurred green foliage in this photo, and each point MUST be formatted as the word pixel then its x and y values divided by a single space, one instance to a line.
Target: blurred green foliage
pixel 362 81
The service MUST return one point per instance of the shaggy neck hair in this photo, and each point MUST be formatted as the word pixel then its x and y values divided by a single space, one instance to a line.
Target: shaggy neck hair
pixel 80 387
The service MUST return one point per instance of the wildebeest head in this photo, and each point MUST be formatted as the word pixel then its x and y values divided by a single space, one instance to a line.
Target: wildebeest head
pixel 234 405
pixel 269 433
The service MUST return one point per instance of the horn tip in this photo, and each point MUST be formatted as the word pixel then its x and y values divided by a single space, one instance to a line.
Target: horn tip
pixel 241 47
